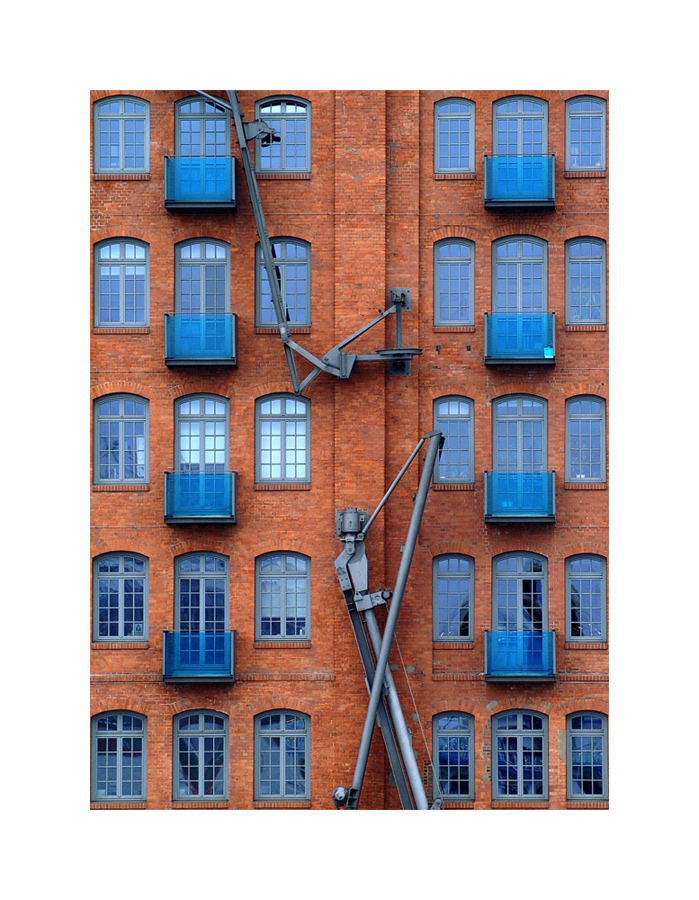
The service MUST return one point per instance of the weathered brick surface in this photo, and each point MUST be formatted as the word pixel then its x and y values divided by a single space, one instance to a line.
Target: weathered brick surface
pixel 371 211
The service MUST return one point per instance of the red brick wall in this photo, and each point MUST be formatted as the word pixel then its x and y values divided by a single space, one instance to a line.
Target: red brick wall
pixel 371 211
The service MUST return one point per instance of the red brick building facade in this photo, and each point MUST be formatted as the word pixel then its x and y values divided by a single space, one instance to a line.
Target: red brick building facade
pixel 372 202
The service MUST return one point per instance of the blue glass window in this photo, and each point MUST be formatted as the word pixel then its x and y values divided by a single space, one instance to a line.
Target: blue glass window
pixel 118 756
pixel 585 134
pixel 453 416
pixel 121 597
pixel 283 595
pixel 283 439
pixel 121 283
pixel 585 440
pixel 282 756
pixel 453 748
pixel 201 756
pixel 585 282
pixel 201 129
pixel 290 148
pixel 121 440
pixel 586 598
pixel 453 289
pixel 520 127
pixel 453 598
pixel 587 756
pixel 121 135
pixel 292 265
pixel 519 275
pixel 454 135
pixel 520 756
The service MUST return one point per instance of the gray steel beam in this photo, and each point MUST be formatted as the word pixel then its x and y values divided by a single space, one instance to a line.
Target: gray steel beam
pixel 436 439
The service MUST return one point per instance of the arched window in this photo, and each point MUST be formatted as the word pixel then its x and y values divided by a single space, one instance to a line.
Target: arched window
pixel 201 128
pixel 454 135
pixel 586 598
pixel 452 587
pixel 202 278
pixel 289 150
pixel 452 735
pixel 201 434
pixel 520 756
pixel 201 607
pixel 121 283
pixel 283 439
pixel 120 597
pixel 292 265
pixel 520 592
pixel 519 275
pixel 519 434
pixel 585 134
pixel 586 751
pixel 585 282
pixel 122 135
pixel 585 440
pixel 121 439
pixel 453 282
pixel 283 596
pixel 520 127
pixel 282 751
pixel 200 755
pixel 453 416
pixel 118 756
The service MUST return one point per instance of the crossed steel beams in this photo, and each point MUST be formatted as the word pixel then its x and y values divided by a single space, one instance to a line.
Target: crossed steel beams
pixel 352 571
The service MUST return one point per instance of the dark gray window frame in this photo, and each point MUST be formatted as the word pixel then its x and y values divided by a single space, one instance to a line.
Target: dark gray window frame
pixel 121 576
pixel 604 732
pixel 179 263
pixel 282 417
pixel 201 575
pixel 603 289
pixel 122 261
pixel 284 575
pixel 520 115
pixel 260 114
pixel 458 732
pixel 195 798
pixel 121 419
pixel 284 261
pixel 520 576
pixel 520 732
pixel 470 116
pixel 222 115
pixel 578 639
pixel 603 133
pixel 471 441
pixel 448 639
pixel 603 420
pixel 470 320
pixel 203 416
pixel 283 733
pixel 121 117
pixel 520 418
pixel 521 261
pixel 119 734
